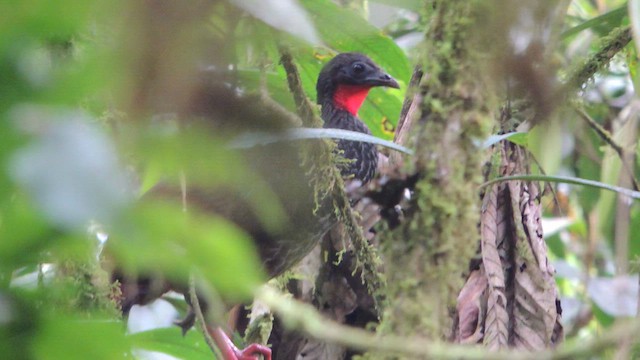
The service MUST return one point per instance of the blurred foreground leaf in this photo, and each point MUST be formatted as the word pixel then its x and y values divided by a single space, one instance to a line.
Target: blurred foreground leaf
pixel 71 338
pixel 171 341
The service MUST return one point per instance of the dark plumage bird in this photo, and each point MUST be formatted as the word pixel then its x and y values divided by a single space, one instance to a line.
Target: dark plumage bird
pixel 342 87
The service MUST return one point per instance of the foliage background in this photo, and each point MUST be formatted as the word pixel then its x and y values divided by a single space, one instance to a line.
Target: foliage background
pixel 66 160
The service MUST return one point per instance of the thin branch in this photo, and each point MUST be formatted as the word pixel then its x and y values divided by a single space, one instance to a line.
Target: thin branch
pixel 409 99
pixel 606 137
pixel 304 317
pixel 410 108
pixel 195 304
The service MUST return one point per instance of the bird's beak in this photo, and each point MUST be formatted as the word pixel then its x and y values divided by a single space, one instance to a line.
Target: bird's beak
pixel 380 78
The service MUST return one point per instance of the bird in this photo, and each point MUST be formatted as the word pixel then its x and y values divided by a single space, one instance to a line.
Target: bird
pixel 342 86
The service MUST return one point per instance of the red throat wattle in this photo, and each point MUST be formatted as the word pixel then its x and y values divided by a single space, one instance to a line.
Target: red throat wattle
pixel 350 97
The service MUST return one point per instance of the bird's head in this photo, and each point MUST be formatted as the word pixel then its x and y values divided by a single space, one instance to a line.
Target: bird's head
pixel 346 80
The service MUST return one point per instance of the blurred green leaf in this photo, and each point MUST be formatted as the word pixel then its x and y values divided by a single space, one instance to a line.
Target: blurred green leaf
pixel 603 23
pixel 24 19
pixel 285 15
pixel 518 138
pixel 276 83
pixel 62 337
pixel 604 319
pixel 205 160
pixel 556 245
pixel 415 5
pixel 588 168
pixel 611 170
pixel 23 231
pixel 545 142
pixel 161 237
pixel 170 341
pixel 634 235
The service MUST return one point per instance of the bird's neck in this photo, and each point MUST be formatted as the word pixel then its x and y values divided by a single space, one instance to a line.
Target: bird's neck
pixel 350 97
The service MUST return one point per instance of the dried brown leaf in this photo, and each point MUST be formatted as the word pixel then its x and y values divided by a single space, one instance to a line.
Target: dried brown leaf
pixel 535 312
pixel 471 309
pixel 497 320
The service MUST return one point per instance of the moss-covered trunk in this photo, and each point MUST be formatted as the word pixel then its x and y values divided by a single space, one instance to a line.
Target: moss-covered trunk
pixel 426 257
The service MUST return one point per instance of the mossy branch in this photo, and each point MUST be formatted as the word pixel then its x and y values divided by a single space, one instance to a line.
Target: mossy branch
pixel 611 45
pixel 304 106
pixel 305 318
pixel 366 255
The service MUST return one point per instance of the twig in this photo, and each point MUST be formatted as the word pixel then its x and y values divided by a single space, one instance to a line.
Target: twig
pixel 606 137
pixel 410 107
pixel 195 304
pixel 409 99
pixel 303 317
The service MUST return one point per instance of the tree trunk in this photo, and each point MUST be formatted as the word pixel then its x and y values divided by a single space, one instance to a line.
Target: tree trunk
pixel 427 255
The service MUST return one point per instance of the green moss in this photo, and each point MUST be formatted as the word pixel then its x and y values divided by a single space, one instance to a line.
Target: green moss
pixel 259 330
pixel 610 46
pixel 84 287
pixel 426 257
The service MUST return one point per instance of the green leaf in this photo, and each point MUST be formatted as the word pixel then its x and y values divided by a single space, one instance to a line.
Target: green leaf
pixel 170 341
pixel 285 15
pixel 545 142
pixel 261 138
pixel 74 338
pixel 345 31
pixel 184 154
pixel 159 237
pixel 276 83
pixel 24 233
pixel 33 19
pixel 603 23
pixel 415 5
pixel 568 180
pixel 518 138
pixel 634 235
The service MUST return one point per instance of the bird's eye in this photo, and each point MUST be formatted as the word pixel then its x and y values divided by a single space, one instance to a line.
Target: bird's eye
pixel 358 68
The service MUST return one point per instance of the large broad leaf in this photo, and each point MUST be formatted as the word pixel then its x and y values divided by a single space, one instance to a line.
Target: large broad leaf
pixel 345 31
pixel 342 30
